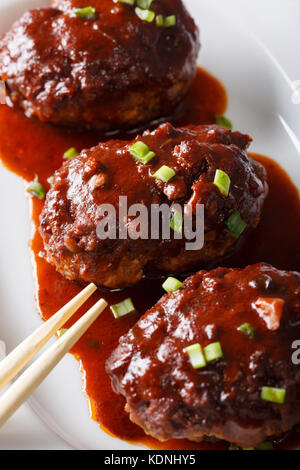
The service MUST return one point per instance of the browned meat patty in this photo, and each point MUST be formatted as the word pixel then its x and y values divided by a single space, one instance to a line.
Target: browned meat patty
pixel 227 398
pixel 100 175
pixel 108 72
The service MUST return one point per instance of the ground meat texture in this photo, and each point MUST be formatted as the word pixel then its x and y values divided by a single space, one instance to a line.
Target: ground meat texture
pixel 168 398
pixel 102 174
pixel 115 71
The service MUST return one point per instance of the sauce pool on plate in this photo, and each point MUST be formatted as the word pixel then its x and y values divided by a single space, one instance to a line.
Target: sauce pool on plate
pixel 29 148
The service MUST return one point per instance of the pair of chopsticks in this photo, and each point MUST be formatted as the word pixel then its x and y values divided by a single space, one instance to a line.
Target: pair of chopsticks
pixel 20 390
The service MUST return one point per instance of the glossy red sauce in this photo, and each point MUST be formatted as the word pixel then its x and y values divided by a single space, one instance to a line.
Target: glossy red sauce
pixel 28 147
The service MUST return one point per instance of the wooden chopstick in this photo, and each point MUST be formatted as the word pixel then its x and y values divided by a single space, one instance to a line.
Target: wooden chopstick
pixel 22 354
pixel 20 390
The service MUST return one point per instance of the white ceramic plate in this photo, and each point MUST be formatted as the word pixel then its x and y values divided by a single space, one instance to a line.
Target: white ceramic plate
pixel 260 103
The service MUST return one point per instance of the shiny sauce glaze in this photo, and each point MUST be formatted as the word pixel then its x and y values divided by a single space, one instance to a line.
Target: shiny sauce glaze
pixel 28 147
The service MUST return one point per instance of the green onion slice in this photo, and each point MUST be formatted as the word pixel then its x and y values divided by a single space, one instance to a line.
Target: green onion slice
pixel 62 331
pixel 165 22
pixel 213 351
pixel 145 15
pixel 247 329
pixel 196 356
pixel 36 189
pixel 145 4
pixel 159 20
pixel 87 13
pixel 164 174
pixel 233 446
pixel 123 308
pixel 267 445
pixel 170 21
pixel 70 153
pixel 235 224
pixel 176 222
pixel 141 152
pixel 171 284
pixel 223 121
pixel 129 2
pixel 222 181
pixel 274 395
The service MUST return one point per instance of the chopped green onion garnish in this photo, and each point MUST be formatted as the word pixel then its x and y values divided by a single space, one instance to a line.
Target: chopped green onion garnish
pixel 70 153
pixel 159 20
pixel 247 330
pixel 165 22
pixel 145 4
pixel 233 446
pixel 141 152
pixel 176 222
pixel 170 21
pixel 123 308
pixel 50 179
pixel 263 446
pixel 129 2
pixel 196 356
pixel 222 181
pixel 235 224
pixel 223 121
pixel 267 445
pixel 62 331
pixel 145 15
pixel 171 284
pixel 36 189
pixel 164 174
pixel 88 13
pixel 213 351
pixel 275 395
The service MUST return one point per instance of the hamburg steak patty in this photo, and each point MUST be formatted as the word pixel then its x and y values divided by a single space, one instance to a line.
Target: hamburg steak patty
pixel 254 314
pixel 111 71
pixel 74 203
